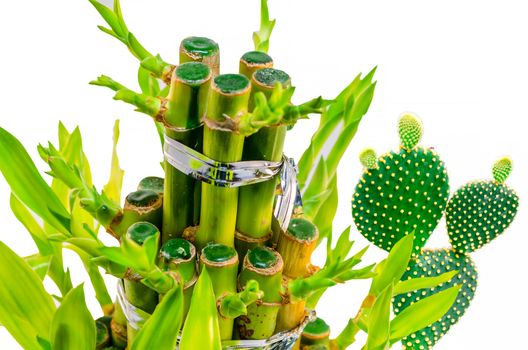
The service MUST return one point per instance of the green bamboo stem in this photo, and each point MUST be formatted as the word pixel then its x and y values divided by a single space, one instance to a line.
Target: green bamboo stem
pixel 138 294
pixel 200 49
pixel 152 183
pixel 141 205
pixel 221 263
pixel 296 246
pixel 252 61
pixel 184 108
pixel 118 327
pixel 229 95
pixel 103 332
pixel 265 266
pixel 255 210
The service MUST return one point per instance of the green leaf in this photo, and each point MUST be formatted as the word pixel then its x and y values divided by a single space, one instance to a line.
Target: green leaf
pixel 379 321
pixel 261 38
pixel 422 313
pixel 324 216
pixel 113 187
pixel 148 84
pixel 162 328
pixel 201 330
pixel 111 18
pixel 39 264
pixel 26 309
pixel 73 326
pixel 394 266
pixel 26 218
pixel 27 184
pixel 413 284
pixel 347 335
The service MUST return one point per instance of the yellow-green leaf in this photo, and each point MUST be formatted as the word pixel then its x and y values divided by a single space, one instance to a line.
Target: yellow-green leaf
pixel 379 321
pixel 27 184
pixel 394 266
pixel 422 282
pixel 201 330
pixel 73 326
pixel 26 310
pixel 39 264
pixel 113 188
pixel 161 330
pixel 422 313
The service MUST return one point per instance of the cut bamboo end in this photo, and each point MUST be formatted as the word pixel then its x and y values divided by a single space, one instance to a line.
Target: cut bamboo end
pixel 218 255
pixel 228 98
pixel 265 266
pixel 201 49
pixel 179 255
pixel 244 243
pixel 141 231
pixel 252 61
pixel 316 332
pixel 267 78
pixel 143 201
pixel 151 183
pixel 296 246
pixel 102 326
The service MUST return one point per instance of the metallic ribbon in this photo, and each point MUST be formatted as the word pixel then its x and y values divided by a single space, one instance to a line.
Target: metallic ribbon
pixel 236 174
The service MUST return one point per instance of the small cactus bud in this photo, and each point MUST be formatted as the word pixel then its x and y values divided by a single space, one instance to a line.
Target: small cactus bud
pixel 502 169
pixel 369 158
pixel 410 129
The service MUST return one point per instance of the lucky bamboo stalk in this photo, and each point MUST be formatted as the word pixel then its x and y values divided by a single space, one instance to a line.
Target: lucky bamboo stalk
pixel 152 183
pixel 228 99
pixel 179 255
pixel 221 263
pixel 138 294
pixel 200 49
pixel 252 61
pixel 118 327
pixel 296 246
pixel 141 205
pixel 182 118
pixel 255 210
pixel 265 266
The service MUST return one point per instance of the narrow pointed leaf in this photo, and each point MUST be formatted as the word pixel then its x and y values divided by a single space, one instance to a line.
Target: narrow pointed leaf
pixel 410 285
pixel 379 321
pixel 201 330
pixel 113 187
pixel 27 184
pixel 26 309
pixel 394 266
pixel 422 313
pixel 73 326
pixel 161 330
pixel 39 264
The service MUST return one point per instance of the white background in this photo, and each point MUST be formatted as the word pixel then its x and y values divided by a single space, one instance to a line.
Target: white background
pixel 460 65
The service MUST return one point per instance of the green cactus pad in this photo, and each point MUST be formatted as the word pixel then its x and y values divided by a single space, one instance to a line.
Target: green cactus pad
pixel 478 212
pixel 368 158
pixel 502 169
pixel 407 191
pixel 410 129
pixel 432 263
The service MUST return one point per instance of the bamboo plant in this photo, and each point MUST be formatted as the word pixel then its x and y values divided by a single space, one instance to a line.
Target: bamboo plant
pixel 200 260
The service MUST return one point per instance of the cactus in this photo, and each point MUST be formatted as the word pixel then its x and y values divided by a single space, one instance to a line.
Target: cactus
pixel 480 211
pixel 401 192
pixel 432 263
